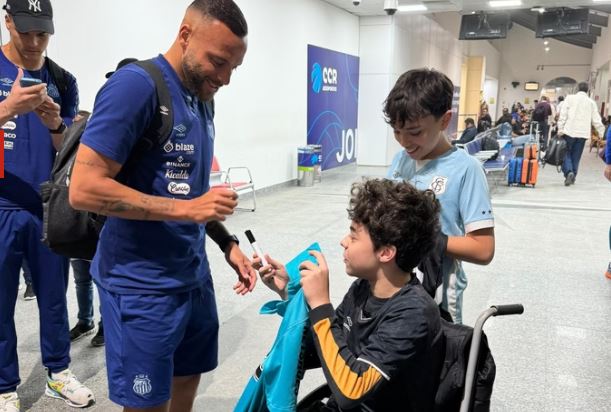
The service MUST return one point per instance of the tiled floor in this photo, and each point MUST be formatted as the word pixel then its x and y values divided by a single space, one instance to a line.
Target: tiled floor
pixel 552 250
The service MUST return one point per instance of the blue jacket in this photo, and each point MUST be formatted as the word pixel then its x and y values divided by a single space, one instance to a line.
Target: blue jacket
pixel 274 384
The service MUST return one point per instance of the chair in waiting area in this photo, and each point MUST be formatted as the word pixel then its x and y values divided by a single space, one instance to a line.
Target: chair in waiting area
pixel 237 178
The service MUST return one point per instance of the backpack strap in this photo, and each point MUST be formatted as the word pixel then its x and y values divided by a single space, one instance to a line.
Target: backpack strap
pixel 162 123
pixel 59 76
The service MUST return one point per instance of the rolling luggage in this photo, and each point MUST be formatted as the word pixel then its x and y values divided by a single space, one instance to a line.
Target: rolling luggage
pixel 530 169
pixel 514 176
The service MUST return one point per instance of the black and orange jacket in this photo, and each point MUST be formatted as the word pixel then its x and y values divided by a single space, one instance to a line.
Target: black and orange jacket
pixel 380 354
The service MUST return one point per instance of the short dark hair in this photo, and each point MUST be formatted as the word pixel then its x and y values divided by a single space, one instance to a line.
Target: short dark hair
pixel 417 94
pixel 469 120
pixel 560 98
pixel 225 11
pixel 397 214
pixel 583 87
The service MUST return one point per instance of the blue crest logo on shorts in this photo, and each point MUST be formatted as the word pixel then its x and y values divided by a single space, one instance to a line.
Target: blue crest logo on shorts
pixel 142 385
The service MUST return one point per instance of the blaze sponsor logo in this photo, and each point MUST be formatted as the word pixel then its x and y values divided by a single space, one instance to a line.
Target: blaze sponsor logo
pixel 8 145
pixel 179 188
pixel 10 125
pixel 180 175
pixel 184 147
pixel 178 147
pixel 10 135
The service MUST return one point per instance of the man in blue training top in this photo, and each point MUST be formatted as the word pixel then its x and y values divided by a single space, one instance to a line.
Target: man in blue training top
pixel 33 120
pixel 151 268
pixel 418 108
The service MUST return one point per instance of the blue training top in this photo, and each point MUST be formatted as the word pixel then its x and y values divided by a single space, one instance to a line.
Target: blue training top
pixel 135 256
pixel 28 147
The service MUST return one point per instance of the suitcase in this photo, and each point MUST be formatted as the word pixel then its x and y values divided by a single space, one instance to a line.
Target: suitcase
pixel 530 151
pixel 515 171
pixel 530 169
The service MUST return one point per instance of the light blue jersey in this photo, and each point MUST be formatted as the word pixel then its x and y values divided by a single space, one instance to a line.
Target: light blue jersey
pixel 459 182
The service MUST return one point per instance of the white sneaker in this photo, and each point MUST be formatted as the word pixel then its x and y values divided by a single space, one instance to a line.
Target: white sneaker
pixel 9 402
pixel 64 385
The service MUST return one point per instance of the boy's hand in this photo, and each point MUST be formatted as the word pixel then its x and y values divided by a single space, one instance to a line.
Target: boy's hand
pixel 315 280
pixel 274 275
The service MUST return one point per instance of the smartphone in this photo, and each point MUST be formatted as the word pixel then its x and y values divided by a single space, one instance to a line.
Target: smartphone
pixel 29 81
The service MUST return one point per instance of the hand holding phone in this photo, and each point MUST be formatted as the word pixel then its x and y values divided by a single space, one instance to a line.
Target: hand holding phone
pixel 29 81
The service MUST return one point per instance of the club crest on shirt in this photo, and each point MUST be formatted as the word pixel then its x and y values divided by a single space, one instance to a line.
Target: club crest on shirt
pixel 142 385
pixel 438 185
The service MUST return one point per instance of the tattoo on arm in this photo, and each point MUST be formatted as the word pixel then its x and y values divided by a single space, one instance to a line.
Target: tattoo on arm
pixel 150 205
pixel 89 163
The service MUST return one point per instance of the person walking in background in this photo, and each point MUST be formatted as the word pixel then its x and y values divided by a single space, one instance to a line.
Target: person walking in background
pixel 578 115
pixel 541 114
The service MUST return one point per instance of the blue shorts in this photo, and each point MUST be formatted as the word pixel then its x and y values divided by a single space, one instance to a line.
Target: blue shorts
pixel 152 338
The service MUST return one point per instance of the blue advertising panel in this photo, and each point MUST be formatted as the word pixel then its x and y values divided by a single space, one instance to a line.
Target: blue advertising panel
pixel 333 92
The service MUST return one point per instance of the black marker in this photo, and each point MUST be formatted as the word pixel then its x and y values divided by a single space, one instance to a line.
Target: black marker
pixel 255 247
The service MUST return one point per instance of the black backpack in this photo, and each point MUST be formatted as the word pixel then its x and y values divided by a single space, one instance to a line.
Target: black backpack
pixel 457 344
pixel 74 233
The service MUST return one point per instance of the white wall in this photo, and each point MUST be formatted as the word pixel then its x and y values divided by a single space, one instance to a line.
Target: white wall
pixel 521 53
pixel 389 47
pixel 261 116
pixel 601 61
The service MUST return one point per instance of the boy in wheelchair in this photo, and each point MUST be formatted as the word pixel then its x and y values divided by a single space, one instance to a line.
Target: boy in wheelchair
pixel 379 349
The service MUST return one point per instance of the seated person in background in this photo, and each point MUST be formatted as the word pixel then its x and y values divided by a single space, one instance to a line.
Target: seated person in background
pixel 516 128
pixel 468 134
pixel 505 118
pixel 379 349
pixel 484 122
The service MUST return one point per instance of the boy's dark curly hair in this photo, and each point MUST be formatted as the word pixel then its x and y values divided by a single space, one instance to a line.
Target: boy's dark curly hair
pixel 417 94
pixel 397 214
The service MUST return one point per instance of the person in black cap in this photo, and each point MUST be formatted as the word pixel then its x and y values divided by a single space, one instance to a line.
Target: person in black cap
pixel 34 118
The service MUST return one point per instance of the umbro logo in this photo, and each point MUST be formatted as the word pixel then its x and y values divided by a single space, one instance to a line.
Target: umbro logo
pixel 164 110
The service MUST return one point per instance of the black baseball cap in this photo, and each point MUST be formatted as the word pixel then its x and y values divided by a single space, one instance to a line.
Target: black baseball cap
pixel 122 63
pixel 31 15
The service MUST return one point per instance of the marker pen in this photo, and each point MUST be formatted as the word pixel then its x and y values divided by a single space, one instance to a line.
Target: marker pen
pixel 255 247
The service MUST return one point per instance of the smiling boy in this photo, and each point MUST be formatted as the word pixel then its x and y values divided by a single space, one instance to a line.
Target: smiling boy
pixel 418 109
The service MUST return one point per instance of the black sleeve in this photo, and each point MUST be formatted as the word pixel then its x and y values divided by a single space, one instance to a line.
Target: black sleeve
pixel 401 336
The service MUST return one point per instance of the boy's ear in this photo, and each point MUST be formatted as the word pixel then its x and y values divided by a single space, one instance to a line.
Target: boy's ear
pixel 387 253
pixel 445 119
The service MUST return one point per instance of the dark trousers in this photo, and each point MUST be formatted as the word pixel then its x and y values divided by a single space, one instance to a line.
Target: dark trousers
pixel 574 151
pixel 20 234
pixel 84 290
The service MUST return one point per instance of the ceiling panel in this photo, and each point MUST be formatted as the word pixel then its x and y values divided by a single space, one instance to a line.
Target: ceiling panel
pixel 376 7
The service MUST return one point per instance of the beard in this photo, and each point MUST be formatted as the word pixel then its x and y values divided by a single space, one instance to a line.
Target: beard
pixel 195 78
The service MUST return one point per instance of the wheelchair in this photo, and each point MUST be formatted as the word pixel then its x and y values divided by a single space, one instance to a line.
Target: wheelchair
pixel 316 400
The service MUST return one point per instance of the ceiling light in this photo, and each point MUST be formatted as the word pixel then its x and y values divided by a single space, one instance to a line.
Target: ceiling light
pixel 412 7
pixel 546 49
pixel 538 9
pixel 546 42
pixel 504 3
pixel 601 1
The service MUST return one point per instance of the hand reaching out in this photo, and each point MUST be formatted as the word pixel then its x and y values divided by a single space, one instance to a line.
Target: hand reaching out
pixel 274 275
